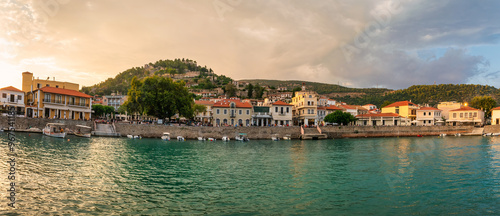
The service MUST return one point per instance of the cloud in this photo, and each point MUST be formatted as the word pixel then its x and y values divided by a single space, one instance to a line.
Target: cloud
pixel 300 40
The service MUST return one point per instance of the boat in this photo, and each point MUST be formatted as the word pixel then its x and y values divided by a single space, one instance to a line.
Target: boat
pixel 137 137
pixel 54 130
pixel 458 134
pixel 211 139
pixel 487 134
pixel 495 134
pixel 287 137
pixel 201 139
pixel 165 136
pixel 275 137
pixel 130 136
pixel 241 137
pixel 83 131
pixel 180 138
pixel 225 139
pixel 442 135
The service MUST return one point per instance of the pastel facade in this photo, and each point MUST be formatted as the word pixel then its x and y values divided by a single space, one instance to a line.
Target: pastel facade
pixel 495 116
pixel 282 113
pixel 381 119
pixel 428 116
pixel 447 106
pixel 232 112
pixel 406 109
pixel 465 116
pixel 305 105
pixel 12 97
pixel 205 117
pixel 30 83
pixel 114 100
pixel 52 102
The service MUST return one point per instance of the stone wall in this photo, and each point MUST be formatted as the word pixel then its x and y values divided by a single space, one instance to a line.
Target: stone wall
pixel 26 123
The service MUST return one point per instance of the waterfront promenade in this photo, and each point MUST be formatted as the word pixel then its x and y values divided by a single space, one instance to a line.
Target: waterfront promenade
pixel 192 132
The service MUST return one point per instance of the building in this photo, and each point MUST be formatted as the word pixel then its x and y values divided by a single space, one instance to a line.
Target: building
pixel 465 116
pixel 381 119
pixel 305 107
pixel 114 100
pixel 232 112
pixel 495 116
pixel 406 109
pixel 30 83
pixel 428 116
pixel 282 113
pixel 445 107
pixel 353 110
pixel 332 102
pixel 12 97
pixel 369 106
pixel 262 116
pixel 52 102
pixel 322 101
pixel 205 117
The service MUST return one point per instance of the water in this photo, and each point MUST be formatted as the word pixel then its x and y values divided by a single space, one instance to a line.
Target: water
pixel 392 176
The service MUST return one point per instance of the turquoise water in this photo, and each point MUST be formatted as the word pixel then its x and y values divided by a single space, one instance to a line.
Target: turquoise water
pixel 390 176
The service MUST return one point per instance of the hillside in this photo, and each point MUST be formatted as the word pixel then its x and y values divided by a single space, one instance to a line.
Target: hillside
pixel 428 94
pixel 171 68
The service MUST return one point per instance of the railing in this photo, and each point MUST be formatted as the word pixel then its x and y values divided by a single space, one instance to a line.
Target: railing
pixel 54 101
pixel 232 115
pixel 78 104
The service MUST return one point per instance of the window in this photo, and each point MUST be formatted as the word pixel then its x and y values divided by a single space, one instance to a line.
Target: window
pixel 310 96
pixel 276 109
pixel 475 114
pixel 424 113
pixel 225 121
pixel 4 95
pixel 57 86
pixel 82 101
pixel 454 115
pixel 248 112
pixel 429 114
pixel 47 85
pixel 225 112
pixel 287 122
pixel 470 114
pixel 239 112
pixel 287 110
pixel 38 85
pixel 217 111
pixel 466 115
pixel 19 97
pixel 461 115
pixel 47 97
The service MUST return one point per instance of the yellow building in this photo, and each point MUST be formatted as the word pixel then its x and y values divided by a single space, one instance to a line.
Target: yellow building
pixel 405 109
pixel 52 102
pixel 495 116
pixel 31 84
pixel 466 116
pixel 305 105
pixel 447 106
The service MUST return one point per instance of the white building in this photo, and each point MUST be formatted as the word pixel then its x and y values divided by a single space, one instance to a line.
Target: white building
pixel 282 113
pixel 380 119
pixel 428 116
pixel 12 97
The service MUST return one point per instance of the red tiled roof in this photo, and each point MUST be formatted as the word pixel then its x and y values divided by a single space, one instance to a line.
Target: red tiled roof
pixel 281 103
pixel 378 115
pixel 48 89
pixel 428 108
pixel 465 108
pixel 347 106
pixel 497 108
pixel 206 103
pixel 11 88
pixel 332 107
pixel 227 103
pixel 400 103
pixel 368 105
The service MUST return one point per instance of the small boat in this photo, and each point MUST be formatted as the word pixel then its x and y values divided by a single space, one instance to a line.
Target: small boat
pixel 137 137
pixel 225 139
pixel 180 138
pixel 287 137
pixel 242 137
pixel 458 134
pixel 165 136
pixel 211 139
pixel 201 139
pixel 83 131
pixel 130 136
pixel 442 135
pixel 487 134
pixel 54 130
pixel 275 137
pixel 419 135
pixel 495 134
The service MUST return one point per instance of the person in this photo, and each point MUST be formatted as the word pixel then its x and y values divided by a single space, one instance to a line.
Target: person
pixel 62 130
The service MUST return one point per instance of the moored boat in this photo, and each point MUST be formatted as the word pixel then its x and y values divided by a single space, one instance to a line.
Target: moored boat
pixel 275 137
pixel 242 137
pixel 166 136
pixel 54 130
pixel 287 137
pixel 83 131
pixel 225 139
pixel 201 139
pixel 180 138
pixel 211 139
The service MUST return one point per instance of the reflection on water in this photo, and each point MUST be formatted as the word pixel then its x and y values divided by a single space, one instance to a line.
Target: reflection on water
pixel 107 176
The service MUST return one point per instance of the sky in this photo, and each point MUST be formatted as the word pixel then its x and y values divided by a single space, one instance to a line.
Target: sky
pixel 355 43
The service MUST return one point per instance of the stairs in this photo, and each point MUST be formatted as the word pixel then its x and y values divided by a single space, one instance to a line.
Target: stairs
pixel 105 130
pixel 312 133
pixel 475 132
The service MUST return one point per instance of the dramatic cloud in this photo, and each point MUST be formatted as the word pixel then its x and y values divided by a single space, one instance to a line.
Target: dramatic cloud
pixel 359 43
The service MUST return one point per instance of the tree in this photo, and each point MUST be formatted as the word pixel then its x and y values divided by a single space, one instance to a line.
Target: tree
pixel 386 103
pixel 109 110
pixel 340 117
pixel 250 90
pixel 485 103
pixel 230 90
pixel 259 91
pixel 98 109
pixel 296 89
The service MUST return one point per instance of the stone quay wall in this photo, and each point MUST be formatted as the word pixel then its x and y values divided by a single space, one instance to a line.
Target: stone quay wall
pixel 267 132
pixel 26 123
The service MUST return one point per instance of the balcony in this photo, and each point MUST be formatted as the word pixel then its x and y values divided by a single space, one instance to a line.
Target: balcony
pixel 232 115
pixel 53 101
pixel 78 104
